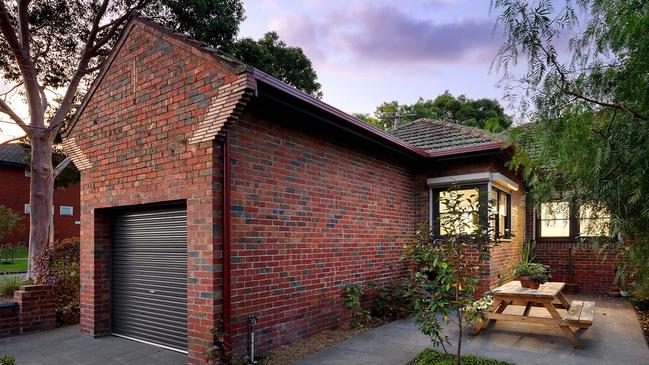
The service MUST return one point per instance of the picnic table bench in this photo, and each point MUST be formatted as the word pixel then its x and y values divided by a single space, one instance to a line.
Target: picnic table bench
pixel 549 296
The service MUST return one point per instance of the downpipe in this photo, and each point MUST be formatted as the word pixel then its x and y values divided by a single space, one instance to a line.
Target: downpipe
pixel 252 321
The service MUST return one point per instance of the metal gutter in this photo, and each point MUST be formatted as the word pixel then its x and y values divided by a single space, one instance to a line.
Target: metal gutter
pixel 468 149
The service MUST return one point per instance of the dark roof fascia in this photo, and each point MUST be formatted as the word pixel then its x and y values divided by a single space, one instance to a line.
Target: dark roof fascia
pixel 494 146
pixel 339 117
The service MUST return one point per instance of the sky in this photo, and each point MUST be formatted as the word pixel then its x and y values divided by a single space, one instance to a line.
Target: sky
pixel 368 52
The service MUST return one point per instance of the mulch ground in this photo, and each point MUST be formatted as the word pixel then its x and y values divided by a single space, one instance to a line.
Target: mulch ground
pixel 289 353
pixel 643 316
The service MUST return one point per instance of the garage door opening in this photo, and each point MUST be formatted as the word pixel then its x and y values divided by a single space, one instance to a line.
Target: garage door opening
pixel 149 276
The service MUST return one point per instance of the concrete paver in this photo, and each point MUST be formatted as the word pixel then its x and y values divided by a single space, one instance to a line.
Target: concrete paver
pixel 615 338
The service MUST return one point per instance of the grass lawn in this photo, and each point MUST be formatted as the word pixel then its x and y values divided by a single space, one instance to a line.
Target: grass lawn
pixel 17 265
pixel 432 357
pixel 19 262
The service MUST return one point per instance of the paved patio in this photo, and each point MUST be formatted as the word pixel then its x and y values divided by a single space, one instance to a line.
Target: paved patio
pixel 67 346
pixel 614 338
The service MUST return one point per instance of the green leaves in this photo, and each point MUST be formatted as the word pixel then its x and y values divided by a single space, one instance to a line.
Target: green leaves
pixel 590 107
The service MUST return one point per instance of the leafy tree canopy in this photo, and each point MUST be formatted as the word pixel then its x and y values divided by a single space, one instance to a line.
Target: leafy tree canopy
pixel 481 113
pixel 59 30
pixel 273 56
pixel 589 140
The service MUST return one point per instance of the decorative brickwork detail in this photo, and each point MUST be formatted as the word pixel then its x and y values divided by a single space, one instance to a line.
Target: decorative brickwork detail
pixel 225 107
pixel 73 151
pixel 32 311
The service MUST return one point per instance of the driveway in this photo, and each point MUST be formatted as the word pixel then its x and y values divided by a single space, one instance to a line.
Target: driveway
pixel 615 338
pixel 67 346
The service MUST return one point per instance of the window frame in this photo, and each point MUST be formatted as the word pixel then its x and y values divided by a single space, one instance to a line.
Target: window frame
pixel 574 230
pixel 483 198
pixel 61 207
pixel 508 211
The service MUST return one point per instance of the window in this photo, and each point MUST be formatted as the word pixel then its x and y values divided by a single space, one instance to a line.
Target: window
pixel 503 224
pixel 470 217
pixel 27 208
pixel 594 221
pixel 564 220
pixel 555 219
pixel 66 210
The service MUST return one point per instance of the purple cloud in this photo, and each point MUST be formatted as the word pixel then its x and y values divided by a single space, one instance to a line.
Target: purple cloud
pixel 384 34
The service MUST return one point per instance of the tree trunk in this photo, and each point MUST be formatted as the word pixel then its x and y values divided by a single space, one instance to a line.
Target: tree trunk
pixel 41 195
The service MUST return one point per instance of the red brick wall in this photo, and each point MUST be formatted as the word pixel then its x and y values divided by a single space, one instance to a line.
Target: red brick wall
pixel 309 216
pixel 15 194
pixel 590 270
pixel 31 311
pixel 9 319
pixel 134 132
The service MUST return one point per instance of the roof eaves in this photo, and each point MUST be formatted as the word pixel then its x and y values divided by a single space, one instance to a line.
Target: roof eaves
pixel 348 119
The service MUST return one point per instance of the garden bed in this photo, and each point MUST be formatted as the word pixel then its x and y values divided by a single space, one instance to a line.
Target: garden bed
pixel 642 311
pixel 297 350
pixel 433 357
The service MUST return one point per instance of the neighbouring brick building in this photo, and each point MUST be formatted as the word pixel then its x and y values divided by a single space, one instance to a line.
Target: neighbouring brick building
pixel 212 192
pixel 14 194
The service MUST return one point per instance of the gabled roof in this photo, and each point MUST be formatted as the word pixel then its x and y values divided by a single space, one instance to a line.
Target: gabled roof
pixel 441 137
pixel 415 140
pixel 12 154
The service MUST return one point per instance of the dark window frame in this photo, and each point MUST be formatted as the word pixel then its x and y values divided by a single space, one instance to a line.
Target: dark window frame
pixel 573 226
pixel 483 199
pixel 508 219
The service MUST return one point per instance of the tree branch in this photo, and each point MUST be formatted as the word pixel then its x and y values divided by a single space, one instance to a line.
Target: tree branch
pixel 23 25
pixel 5 108
pixel 12 140
pixel 61 166
pixel 25 63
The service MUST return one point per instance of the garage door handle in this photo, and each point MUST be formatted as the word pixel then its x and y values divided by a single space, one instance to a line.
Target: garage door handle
pixel 151 291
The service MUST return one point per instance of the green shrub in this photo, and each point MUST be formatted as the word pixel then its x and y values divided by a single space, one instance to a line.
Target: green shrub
pixel 7 360
pixel 392 300
pixel 352 295
pixel 57 266
pixel 537 272
pixel 432 357
pixel 10 284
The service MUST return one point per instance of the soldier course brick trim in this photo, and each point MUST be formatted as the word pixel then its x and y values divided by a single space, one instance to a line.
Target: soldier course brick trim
pixel 73 151
pixel 225 108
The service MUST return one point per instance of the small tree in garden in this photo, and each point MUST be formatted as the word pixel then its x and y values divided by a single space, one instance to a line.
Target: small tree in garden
pixel 444 270
pixel 9 222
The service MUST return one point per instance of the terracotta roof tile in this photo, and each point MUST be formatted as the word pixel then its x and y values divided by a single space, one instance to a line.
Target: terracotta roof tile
pixel 435 135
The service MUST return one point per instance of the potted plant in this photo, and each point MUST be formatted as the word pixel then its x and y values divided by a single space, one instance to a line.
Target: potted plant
pixel 532 274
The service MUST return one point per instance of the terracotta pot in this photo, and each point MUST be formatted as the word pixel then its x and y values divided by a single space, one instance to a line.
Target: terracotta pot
pixel 527 283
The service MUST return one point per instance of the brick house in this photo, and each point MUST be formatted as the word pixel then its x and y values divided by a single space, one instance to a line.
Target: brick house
pixel 14 179
pixel 212 192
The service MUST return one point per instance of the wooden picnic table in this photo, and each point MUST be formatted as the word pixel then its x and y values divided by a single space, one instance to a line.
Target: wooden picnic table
pixel 549 296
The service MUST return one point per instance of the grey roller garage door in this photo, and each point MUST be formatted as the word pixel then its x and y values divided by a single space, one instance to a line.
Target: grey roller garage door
pixel 149 276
